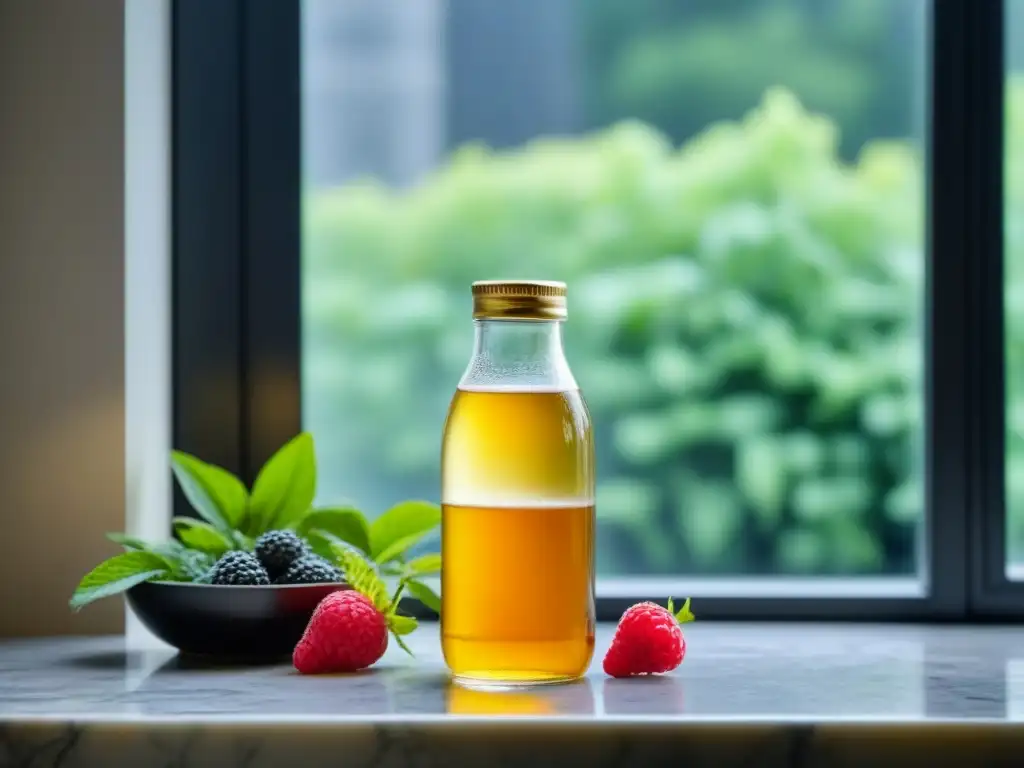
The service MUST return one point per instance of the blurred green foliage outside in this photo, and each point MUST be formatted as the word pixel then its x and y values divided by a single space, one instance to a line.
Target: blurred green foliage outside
pixel 1014 314
pixel 746 322
pixel 682 65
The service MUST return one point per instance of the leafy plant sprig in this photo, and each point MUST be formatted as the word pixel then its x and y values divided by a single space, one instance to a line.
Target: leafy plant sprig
pixel 232 518
pixel 363 577
pixel 385 541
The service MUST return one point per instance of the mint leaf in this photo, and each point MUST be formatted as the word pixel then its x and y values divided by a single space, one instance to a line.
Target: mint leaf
pixel 190 565
pixel 320 542
pixel 193 565
pixel 168 550
pixel 425 595
pixel 128 542
pixel 242 542
pixel 195 534
pixel 323 543
pixel 116 575
pixel 218 496
pixel 185 564
pixel 345 523
pixel 402 625
pixel 284 487
pixel 171 551
pixel 400 527
pixel 424 564
pixel 399 548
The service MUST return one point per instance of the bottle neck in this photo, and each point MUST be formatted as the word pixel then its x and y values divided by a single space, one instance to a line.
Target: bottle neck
pixel 511 354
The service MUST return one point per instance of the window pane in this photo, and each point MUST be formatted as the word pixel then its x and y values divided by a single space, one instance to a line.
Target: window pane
pixel 734 194
pixel 1014 294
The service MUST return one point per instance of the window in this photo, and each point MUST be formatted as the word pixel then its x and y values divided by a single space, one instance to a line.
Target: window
pixel 1014 296
pixel 765 211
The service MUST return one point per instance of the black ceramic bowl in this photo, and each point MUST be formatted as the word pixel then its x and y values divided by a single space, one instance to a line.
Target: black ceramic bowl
pixel 228 622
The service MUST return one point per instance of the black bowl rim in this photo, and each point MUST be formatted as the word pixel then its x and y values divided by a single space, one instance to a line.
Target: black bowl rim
pixel 249 587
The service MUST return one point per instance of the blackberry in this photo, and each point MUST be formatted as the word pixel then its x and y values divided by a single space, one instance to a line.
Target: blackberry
pixel 311 569
pixel 239 568
pixel 279 549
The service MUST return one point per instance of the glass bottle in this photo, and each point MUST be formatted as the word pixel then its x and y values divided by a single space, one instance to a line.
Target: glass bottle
pixel 517 493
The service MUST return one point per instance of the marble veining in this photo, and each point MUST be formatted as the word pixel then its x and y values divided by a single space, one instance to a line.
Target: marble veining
pixel 747 694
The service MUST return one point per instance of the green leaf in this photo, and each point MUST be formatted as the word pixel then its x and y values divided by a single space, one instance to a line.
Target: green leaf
pixel 195 534
pixel 218 496
pixel 345 523
pixel 684 615
pixel 361 576
pixel 129 542
pixel 169 550
pixel 402 625
pixel 403 646
pixel 400 527
pixel 425 595
pixel 194 565
pixel 189 565
pixel 324 543
pixel 424 564
pixel 185 564
pixel 242 542
pixel 284 487
pixel 116 575
pixel 399 548
pixel 173 552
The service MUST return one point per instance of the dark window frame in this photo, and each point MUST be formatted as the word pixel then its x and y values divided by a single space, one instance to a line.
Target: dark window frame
pixel 237 168
pixel 236 186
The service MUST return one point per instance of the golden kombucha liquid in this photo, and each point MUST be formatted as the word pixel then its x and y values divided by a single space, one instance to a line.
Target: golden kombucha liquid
pixel 517 536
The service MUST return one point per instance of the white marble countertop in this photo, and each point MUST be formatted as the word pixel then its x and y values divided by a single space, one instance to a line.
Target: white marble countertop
pixel 793 694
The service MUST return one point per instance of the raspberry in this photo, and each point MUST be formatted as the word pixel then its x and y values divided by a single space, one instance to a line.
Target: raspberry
pixel 647 641
pixel 311 569
pixel 279 549
pixel 239 568
pixel 345 633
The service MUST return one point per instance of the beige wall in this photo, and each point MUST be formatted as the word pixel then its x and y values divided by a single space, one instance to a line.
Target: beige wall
pixel 62 461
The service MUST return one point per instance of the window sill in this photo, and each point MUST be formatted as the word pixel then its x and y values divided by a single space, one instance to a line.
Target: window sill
pixel 764 690
pixel 765 587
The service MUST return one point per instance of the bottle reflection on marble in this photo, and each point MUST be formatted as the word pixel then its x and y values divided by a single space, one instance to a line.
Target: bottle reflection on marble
pixel 575 698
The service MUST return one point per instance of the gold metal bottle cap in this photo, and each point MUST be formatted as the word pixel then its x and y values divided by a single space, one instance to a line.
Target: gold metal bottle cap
pixel 519 300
